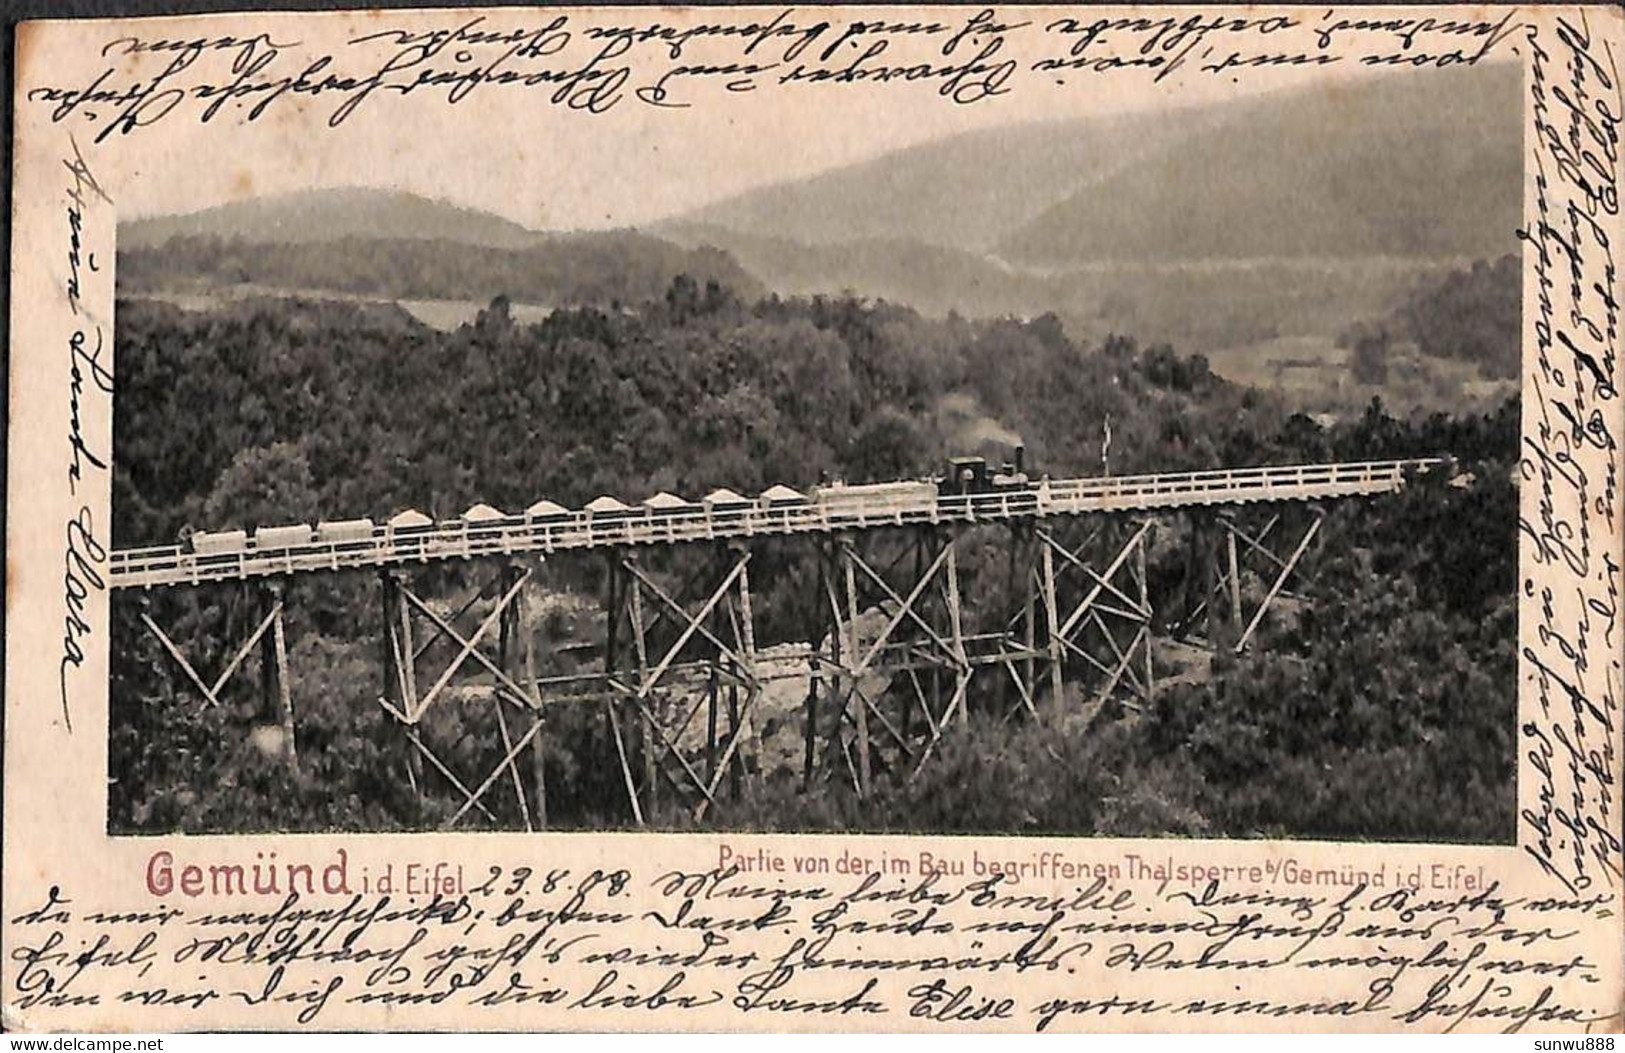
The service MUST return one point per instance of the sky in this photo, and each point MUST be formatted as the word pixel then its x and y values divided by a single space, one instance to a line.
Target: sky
pixel 505 151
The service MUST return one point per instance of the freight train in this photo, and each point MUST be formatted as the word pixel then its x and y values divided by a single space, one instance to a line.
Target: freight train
pixel 967 484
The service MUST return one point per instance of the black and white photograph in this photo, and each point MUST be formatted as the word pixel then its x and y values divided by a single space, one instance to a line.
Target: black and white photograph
pixel 752 520
pixel 1146 471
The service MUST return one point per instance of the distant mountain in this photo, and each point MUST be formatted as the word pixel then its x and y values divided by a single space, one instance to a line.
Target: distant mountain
pixel 382 244
pixel 584 269
pixel 1196 306
pixel 1410 165
pixel 932 278
pixel 966 192
pixel 332 214
pixel 1290 214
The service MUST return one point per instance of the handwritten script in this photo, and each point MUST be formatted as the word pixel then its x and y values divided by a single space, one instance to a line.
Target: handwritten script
pixel 88 377
pixel 564 944
pixel 811 933
pixel 590 67
pixel 1571 466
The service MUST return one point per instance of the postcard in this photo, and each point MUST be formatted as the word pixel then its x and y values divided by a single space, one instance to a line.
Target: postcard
pixel 774 518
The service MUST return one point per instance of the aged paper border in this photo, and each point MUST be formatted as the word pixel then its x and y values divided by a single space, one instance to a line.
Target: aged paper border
pixel 56 796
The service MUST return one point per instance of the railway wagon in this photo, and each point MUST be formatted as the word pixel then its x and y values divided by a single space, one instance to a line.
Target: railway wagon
pixel 272 538
pixel 218 542
pixel 408 533
pixel 873 502
pixel 485 528
pixel 349 533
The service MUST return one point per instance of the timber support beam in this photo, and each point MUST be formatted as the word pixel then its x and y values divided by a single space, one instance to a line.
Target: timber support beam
pixel 510 698
pixel 268 635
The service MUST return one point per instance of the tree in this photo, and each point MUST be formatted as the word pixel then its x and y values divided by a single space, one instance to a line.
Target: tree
pixel 495 319
pixel 263 486
pixel 682 299
pixel 1369 359
pixel 888 446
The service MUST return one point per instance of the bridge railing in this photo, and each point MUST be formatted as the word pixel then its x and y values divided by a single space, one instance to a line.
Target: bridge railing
pixel 464 539
pixel 1231 486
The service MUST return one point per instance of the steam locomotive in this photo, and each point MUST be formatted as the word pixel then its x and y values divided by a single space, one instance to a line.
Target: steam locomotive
pixel 973 475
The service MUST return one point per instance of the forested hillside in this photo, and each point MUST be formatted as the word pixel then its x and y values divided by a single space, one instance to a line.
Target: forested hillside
pixel 597 268
pixel 333 214
pixel 1400 166
pixel 1400 670
pixel 1470 315
pixel 694 391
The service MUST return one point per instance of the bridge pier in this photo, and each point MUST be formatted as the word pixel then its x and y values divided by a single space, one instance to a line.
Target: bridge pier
pixel 1270 550
pixel 399 674
pixel 276 697
pixel 516 655
pixel 921 629
pixel 1284 568
pixel 815 674
pixel 1029 621
pixel 1110 602
pixel 1016 646
pixel 1099 619
pixel 402 700
pixel 274 670
pixel 652 694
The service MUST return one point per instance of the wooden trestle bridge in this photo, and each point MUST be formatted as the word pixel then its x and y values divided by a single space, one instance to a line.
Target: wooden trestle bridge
pixel 679 674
